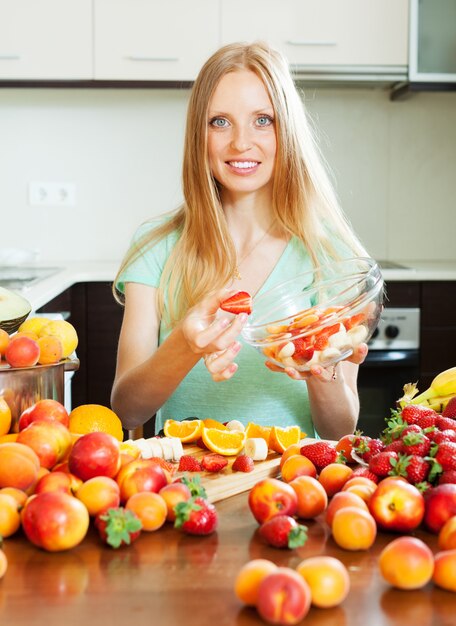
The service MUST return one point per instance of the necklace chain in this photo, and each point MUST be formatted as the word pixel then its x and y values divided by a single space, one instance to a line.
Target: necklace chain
pixel 237 274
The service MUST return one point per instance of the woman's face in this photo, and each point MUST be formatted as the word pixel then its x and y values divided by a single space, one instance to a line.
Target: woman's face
pixel 241 135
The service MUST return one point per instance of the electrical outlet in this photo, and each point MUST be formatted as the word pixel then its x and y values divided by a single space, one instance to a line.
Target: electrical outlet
pixel 52 194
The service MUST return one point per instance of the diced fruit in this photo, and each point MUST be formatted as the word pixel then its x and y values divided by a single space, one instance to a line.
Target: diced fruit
pixel 240 302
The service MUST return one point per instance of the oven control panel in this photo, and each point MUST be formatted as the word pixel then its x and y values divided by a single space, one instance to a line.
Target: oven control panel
pixel 398 329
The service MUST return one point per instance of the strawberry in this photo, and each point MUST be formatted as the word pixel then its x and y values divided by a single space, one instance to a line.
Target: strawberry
pixel 412 428
pixel 118 526
pixel 417 414
pixel 213 462
pixel 283 531
pixel 450 409
pixel 354 320
pixel 240 302
pixel 416 443
pixel 394 446
pixel 449 476
pixel 321 453
pixel 364 471
pixel 381 464
pixel 445 423
pixel 166 465
pixel 444 435
pixel 200 443
pixel 368 447
pixel 303 349
pixel 243 463
pixel 189 463
pixel 321 342
pixel 196 516
pixel 415 468
pixel 446 455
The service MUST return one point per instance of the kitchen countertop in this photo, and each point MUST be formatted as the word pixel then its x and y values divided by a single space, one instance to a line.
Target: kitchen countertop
pixel 73 272
pixel 169 578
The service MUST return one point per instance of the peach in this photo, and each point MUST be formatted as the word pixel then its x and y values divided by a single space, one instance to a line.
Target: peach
pixel 10 519
pixel 58 481
pixel 341 500
pixel 95 454
pixel 353 528
pixel 19 495
pixel 150 508
pixel 249 578
pixel 46 409
pixel 444 575
pixel 283 597
pixel 447 534
pixel 327 578
pixel 22 352
pixel 334 476
pixel 50 439
pixel 140 475
pixel 297 465
pixel 172 495
pixel 362 491
pixel 19 465
pixel 312 498
pixel 345 446
pixel 98 494
pixel 292 450
pixel 406 563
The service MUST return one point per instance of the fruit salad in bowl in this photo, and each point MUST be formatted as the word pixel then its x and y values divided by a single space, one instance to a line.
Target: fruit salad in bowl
pixel 319 316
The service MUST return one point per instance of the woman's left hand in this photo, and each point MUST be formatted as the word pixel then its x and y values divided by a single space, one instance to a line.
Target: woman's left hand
pixel 324 374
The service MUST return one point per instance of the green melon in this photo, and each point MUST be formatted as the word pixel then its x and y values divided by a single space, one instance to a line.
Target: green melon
pixel 14 309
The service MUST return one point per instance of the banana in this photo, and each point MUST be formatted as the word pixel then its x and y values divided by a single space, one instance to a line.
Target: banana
pixel 235 425
pixel 256 448
pixel 442 385
pixel 155 447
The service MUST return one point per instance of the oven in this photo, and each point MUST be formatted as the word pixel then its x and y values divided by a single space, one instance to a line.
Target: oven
pixel 392 361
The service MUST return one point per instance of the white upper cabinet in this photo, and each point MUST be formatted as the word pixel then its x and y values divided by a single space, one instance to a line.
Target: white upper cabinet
pixel 324 33
pixel 45 39
pixel 154 39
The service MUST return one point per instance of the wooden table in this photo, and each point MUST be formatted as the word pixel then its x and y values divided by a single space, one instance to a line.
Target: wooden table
pixel 167 578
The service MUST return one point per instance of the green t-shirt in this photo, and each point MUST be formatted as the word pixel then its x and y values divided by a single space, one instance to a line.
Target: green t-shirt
pixel 254 393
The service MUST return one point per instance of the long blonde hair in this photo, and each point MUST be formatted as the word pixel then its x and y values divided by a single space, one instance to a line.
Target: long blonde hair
pixel 303 199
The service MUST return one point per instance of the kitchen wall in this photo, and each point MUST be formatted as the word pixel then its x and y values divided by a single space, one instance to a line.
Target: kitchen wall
pixel 394 166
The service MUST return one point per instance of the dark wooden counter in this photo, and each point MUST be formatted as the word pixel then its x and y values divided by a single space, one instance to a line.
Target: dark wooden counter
pixel 167 578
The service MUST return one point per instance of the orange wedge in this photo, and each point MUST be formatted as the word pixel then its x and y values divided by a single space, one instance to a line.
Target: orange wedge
pixel 187 430
pixel 255 430
pixel 210 423
pixel 225 442
pixel 282 438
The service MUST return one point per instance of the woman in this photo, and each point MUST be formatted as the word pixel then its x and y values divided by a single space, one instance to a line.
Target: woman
pixel 258 209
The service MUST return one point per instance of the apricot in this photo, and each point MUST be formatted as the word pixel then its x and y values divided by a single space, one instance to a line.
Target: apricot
pixel 51 350
pixel 353 528
pixel 150 507
pixel 172 495
pixel 283 597
pixel 406 563
pixel 4 341
pixel 10 519
pixel 359 480
pixel 447 534
pixel 98 494
pixel 312 498
pixel 19 465
pixel 327 578
pixel 345 445
pixel 3 563
pixel 444 575
pixel 22 352
pixel 362 491
pixel 19 495
pixel 341 500
pixel 297 465
pixel 334 476
pixel 249 578
pixel 292 450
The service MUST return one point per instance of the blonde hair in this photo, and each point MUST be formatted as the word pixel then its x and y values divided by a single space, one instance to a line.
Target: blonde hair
pixel 303 199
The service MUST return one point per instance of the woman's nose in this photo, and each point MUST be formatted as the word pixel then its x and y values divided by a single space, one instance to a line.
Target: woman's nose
pixel 241 139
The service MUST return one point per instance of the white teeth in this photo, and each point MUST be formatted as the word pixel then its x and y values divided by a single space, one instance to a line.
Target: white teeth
pixel 243 164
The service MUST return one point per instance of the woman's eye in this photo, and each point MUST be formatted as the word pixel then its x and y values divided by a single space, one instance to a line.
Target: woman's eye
pixel 219 122
pixel 264 120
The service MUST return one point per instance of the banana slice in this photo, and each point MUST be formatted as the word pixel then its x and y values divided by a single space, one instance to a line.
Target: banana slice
pixel 167 448
pixel 155 447
pixel 235 425
pixel 177 447
pixel 256 448
pixel 143 447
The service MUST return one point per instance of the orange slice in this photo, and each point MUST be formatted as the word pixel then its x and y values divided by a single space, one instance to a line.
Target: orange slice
pixel 225 442
pixel 187 430
pixel 255 430
pixel 210 423
pixel 282 438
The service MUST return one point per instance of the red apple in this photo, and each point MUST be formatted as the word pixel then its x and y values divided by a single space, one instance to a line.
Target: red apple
pixel 55 521
pixel 51 441
pixel 140 475
pixel 22 352
pixel 271 497
pixel 440 505
pixel 44 410
pixel 396 505
pixel 95 454
pixel 58 481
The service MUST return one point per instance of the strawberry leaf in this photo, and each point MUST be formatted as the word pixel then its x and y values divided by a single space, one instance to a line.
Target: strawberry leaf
pixel 194 484
pixel 183 511
pixel 297 536
pixel 120 525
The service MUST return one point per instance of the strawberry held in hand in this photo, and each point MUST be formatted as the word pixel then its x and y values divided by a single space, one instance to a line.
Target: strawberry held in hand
pixel 196 516
pixel 283 531
pixel 240 302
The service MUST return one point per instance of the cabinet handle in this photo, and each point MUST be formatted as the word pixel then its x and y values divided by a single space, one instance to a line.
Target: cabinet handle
pixel 138 57
pixel 309 42
pixel 10 57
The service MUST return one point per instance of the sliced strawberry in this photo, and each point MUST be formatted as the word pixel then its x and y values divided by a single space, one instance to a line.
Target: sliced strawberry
pixel 450 409
pixel 214 462
pixel 243 463
pixel 189 463
pixel 303 349
pixel 354 320
pixel 240 302
pixel 166 465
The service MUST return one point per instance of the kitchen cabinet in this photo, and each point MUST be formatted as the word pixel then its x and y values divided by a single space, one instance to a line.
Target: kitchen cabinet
pixel 330 33
pixel 45 39
pixel 151 40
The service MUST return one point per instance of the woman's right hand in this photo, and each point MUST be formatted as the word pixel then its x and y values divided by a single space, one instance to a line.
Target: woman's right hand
pixel 214 337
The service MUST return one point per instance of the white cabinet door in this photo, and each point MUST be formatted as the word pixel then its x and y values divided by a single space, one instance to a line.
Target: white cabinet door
pixel 45 39
pixel 154 39
pixel 323 32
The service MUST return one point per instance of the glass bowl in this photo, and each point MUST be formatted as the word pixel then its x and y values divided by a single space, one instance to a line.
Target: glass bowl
pixel 319 316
